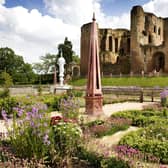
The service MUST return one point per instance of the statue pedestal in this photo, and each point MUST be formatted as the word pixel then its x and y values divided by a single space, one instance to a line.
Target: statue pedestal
pixel 60 89
pixel 94 105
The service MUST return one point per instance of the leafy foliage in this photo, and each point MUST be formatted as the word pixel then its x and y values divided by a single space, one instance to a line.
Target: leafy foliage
pixel 8 104
pixel 47 64
pixel 98 161
pixel 53 102
pixel 143 118
pixel 15 66
pixel 66 49
pixel 7 80
pixel 110 126
pixel 153 140
pixel 69 107
pixel 29 137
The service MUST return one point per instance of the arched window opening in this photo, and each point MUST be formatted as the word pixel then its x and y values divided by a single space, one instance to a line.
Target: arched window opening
pixel 110 43
pixel 116 44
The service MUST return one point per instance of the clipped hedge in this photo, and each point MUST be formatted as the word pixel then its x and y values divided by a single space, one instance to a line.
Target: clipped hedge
pixel 143 118
pixel 99 128
pixel 153 140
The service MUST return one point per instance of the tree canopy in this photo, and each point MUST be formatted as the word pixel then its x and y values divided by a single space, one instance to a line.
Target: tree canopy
pixel 66 49
pixel 47 64
pixel 16 67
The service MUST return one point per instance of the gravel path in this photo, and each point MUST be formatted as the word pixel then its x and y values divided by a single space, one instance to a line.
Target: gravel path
pixel 106 143
pixel 113 108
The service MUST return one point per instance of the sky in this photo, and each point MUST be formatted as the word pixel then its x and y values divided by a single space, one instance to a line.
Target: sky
pixel 33 28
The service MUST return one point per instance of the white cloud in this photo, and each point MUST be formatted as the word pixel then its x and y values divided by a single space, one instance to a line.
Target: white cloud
pixel 30 34
pixel 158 7
pixel 2 2
pixel 73 11
pixel 79 12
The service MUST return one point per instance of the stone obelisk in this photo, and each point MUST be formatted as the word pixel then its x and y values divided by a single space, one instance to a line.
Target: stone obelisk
pixel 94 98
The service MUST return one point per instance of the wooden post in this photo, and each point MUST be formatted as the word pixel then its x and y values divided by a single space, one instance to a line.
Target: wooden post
pixel 141 95
pixel 152 96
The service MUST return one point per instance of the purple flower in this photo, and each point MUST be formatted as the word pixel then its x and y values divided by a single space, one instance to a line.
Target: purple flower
pixel 164 94
pixel 32 124
pixel 4 115
pixel 28 115
pixel 34 110
pixel 20 112
pixel 46 140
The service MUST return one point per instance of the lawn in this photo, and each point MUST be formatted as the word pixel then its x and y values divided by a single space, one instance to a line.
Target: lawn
pixel 128 81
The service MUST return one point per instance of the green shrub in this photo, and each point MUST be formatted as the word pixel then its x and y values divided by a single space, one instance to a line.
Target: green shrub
pixel 75 93
pixel 53 102
pixel 101 128
pixel 113 162
pixel 39 90
pixel 7 79
pixel 30 134
pixel 92 158
pixel 95 122
pixel 66 140
pixel 165 113
pixel 4 93
pixel 69 107
pixel 153 140
pixel 142 118
pixel 8 104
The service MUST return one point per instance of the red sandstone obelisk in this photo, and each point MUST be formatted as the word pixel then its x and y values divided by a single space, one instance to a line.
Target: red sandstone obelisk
pixel 94 98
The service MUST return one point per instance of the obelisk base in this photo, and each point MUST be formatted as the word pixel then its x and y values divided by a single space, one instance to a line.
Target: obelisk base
pixel 94 105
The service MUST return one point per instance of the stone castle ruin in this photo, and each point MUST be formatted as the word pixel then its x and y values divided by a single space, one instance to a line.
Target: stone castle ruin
pixel 143 48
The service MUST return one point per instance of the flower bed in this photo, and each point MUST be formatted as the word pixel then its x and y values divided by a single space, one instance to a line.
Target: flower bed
pixel 153 140
pixel 100 128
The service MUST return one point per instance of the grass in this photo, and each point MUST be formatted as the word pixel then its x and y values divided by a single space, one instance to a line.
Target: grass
pixel 128 81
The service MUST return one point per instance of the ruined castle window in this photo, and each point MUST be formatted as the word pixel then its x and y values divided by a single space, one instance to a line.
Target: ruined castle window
pixel 154 29
pixel 144 32
pixel 146 19
pixel 103 43
pixel 128 45
pixel 121 52
pixel 110 43
pixel 159 31
pixel 150 39
pixel 116 44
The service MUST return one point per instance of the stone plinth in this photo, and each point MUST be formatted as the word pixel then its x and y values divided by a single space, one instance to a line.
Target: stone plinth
pixel 94 105
pixel 60 89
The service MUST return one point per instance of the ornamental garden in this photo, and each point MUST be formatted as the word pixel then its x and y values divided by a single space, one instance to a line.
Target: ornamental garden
pixel 52 130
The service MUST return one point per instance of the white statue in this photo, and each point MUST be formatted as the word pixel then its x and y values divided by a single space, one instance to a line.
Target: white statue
pixel 61 63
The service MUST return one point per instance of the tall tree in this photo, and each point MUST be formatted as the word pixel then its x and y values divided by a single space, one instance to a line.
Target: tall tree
pixel 15 66
pixel 7 57
pixel 47 64
pixel 66 49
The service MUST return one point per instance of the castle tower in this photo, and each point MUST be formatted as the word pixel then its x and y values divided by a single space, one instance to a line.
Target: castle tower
pixel 84 48
pixel 137 28
pixel 94 98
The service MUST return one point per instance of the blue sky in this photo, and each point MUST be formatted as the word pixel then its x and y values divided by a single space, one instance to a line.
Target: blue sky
pixel 110 7
pixel 29 4
pixel 33 28
pixel 116 7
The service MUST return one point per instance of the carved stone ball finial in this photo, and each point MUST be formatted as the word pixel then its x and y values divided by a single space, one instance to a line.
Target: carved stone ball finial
pixel 93 17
